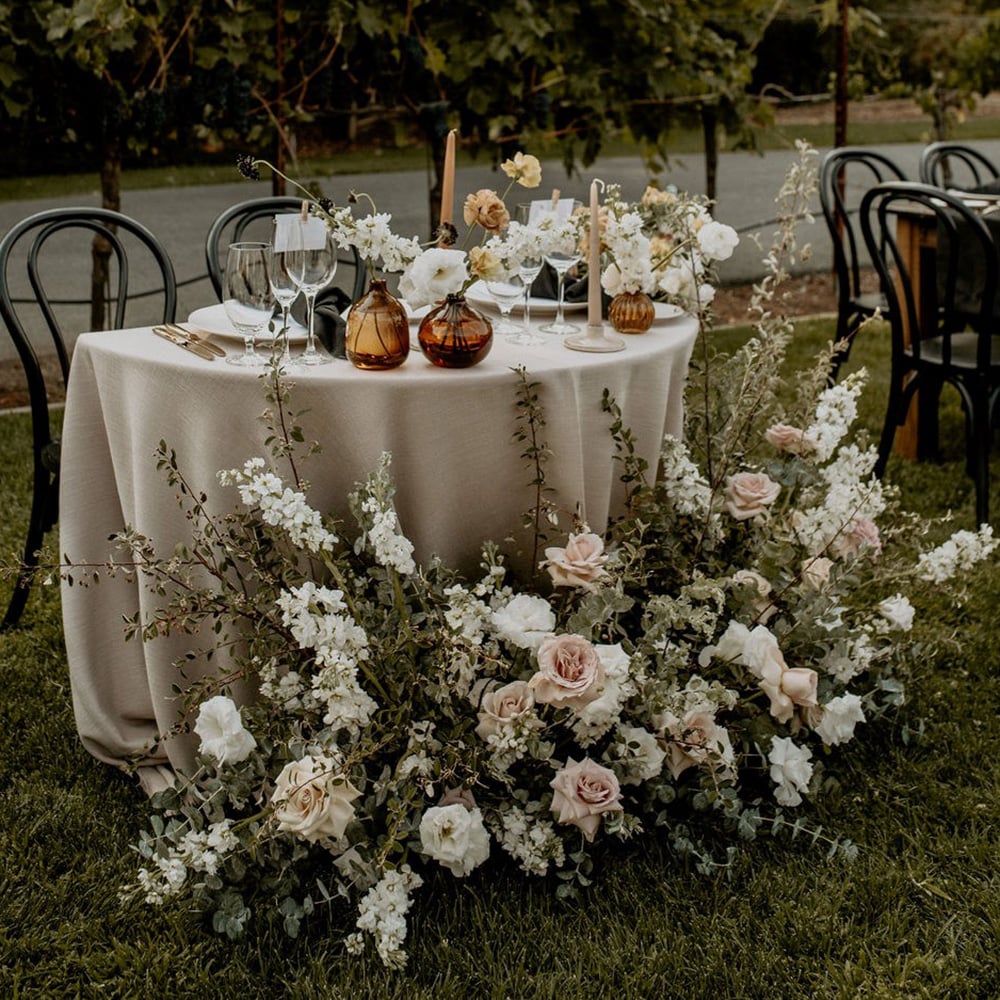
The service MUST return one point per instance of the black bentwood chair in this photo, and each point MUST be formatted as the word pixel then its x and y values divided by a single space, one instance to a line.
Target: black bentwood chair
pixel 232 225
pixel 956 165
pixel 943 330
pixel 843 172
pixel 41 246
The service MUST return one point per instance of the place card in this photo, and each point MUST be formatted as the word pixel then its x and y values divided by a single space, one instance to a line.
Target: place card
pixel 291 232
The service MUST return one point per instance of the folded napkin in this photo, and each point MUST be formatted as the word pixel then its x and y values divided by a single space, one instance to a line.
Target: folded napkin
pixel 546 286
pixel 330 326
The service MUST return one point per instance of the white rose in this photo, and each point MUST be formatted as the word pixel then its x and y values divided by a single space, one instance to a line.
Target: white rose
pixel 791 770
pixel 641 755
pixel 456 837
pixel 840 716
pixel 220 727
pixel 897 612
pixel 312 798
pixel 436 273
pixel 502 707
pixel 717 241
pixel 524 621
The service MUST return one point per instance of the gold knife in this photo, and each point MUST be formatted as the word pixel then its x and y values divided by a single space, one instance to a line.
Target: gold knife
pixel 198 336
pixel 189 345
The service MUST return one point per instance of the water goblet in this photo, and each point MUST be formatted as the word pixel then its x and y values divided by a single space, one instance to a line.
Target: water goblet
pixel 529 266
pixel 312 263
pixel 561 260
pixel 247 297
pixel 507 291
pixel 285 290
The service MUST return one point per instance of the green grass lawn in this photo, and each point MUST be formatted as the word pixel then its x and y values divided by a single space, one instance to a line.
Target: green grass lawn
pixel 916 916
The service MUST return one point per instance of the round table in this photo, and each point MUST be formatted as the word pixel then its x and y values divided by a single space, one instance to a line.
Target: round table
pixel 459 473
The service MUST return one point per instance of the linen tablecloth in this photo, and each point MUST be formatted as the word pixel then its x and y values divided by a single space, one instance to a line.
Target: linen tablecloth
pixel 458 470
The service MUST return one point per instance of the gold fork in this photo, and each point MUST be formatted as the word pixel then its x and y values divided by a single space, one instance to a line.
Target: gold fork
pixel 197 335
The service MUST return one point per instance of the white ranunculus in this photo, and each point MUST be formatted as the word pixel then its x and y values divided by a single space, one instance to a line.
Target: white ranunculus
pixel 223 736
pixel 455 837
pixel 791 770
pixel 524 621
pixel 897 612
pixel 717 241
pixel 435 274
pixel 840 716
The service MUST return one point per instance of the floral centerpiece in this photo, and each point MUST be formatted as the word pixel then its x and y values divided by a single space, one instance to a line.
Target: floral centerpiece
pixel 684 675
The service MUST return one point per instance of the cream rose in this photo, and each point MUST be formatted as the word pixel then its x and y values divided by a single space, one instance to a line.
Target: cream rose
pixel 455 837
pixel 785 686
pixel 764 607
pixel 579 564
pixel 816 572
pixel 502 707
pixel 749 494
pixel 486 209
pixel 860 534
pixel 312 799
pixel 223 736
pixel 693 739
pixel 569 672
pixel 583 792
pixel 523 168
pixel 790 439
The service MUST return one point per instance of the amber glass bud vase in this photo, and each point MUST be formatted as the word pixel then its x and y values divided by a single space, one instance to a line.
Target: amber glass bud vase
pixel 631 312
pixel 378 331
pixel 454 335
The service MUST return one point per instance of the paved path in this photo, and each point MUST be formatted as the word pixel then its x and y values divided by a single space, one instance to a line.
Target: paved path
pixel 747 186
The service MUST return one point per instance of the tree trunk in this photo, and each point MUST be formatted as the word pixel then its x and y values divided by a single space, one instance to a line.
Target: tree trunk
pixel 111 197
pixel 710 135
pixel 840 94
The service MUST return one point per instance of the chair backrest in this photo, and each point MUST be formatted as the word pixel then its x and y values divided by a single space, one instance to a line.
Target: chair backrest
pixel 44 288
pixel 846 173
pixel 232 225
pixel 962 294
pixel 956 165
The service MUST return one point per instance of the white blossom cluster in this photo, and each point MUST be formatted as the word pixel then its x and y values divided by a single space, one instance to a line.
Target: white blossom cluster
pixel 632 268
pixel 468 616
pixel 382 913
pixel 318 619
pixel 836 411
pixel 198 851
pixel 846 660
pixel 595 718
pixel 373 238
pixel 530 839
pixel 961 552
pixel 686 488
pixel 279 505
pixel 390 548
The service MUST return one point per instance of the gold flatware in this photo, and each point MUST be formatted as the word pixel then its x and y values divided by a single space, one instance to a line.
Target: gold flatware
pixel 197 335
pixel 194 346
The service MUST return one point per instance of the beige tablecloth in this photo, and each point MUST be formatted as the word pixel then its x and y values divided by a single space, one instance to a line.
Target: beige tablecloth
pixel 460 478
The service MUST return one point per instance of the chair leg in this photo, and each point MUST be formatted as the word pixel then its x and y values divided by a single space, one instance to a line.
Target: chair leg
pixel 893 409
pixel 982 443
pixel 928 405
pixel 40 501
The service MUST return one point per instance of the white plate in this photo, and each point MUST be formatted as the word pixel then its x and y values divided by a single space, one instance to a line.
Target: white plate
pixel 213 319
pixel 664 312
pixel 539 307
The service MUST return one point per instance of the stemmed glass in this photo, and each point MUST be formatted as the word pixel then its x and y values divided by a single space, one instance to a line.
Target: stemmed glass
pixel 283 285
pixel 529 268
pixel 247 297
pixel 506 292
pixel 312 263
pixel 563 255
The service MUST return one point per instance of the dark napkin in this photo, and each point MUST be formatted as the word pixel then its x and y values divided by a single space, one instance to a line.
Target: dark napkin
pixel 546 286
pixel 330 326
pixel 970 265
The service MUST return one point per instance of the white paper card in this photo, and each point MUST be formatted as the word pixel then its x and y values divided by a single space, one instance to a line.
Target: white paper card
pixel 291 233
pixel 541 210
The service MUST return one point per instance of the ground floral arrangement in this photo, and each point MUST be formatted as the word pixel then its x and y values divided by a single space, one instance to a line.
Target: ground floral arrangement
pixel 683 676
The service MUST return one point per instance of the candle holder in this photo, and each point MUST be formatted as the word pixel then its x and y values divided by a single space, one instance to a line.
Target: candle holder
pixel 596 340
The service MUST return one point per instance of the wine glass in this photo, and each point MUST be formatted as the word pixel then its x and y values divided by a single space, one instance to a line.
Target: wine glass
pixel 283 286
pixel 312 263
pixel 507 291
pixel 563 254
pixel 247 297
pixel 529 267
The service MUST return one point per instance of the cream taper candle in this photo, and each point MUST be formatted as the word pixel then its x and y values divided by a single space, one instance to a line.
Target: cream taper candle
pixel 594 262
pixel 448 181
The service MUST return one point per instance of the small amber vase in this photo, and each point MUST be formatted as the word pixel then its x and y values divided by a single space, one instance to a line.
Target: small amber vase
pixel 454 335
pixel 378 330
pixel 631 312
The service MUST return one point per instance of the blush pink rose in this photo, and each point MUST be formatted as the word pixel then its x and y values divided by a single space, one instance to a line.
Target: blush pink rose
pixel 580 564
pixel 790 439
pixel 749 494
pixel 569 672
pixel 860 534
pixel 693 739
pixel 786 687
pixel 583 792
pixel 503 706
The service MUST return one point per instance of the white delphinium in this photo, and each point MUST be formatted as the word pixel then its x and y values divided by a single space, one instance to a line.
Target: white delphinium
pixel 390 548
pixel 530 838
pixel 791 770
pixel 836 411
pixel 686 488
pixel 279 505
pixel 382 913
pixel 840 716
pixel 961 552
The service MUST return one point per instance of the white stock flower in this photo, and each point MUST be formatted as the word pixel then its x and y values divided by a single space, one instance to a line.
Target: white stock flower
pixel 524 621
pixel 220 727
pixel 961 552
pixel 432 276
pixel 840 716
pixel 898 612
pixel 455 837
pixel 791 770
